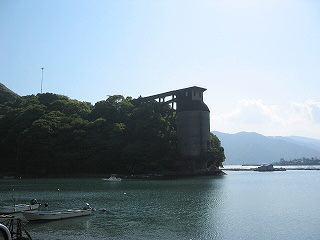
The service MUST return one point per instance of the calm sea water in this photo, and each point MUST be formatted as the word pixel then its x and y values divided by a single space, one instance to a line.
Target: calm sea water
pixel 240 205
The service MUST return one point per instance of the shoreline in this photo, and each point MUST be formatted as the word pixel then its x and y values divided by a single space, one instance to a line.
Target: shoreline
pixel 254 167
pixel 171 175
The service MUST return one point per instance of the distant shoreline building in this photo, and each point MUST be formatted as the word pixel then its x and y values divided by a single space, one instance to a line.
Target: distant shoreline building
pixel 301 161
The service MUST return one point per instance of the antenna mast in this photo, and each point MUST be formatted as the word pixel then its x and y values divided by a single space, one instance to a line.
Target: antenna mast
pixel 41 78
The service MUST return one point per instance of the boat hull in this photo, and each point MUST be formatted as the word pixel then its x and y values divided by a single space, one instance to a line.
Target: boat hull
pixel 111 180
pixel 18 208
pixel 56 214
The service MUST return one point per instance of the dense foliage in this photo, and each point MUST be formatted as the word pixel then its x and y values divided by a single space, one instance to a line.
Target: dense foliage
pixel 6 94
pixel 50 134
pixel 215 154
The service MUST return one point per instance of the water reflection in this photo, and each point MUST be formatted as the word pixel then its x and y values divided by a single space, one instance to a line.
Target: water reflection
pixel 137 209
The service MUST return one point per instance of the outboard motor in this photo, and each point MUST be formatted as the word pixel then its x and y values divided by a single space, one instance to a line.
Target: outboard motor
pixel 33 201
pixel 87 206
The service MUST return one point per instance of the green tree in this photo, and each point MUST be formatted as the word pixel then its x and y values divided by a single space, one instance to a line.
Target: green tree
pixel 16 116
pixel 215 154
pixel 152 136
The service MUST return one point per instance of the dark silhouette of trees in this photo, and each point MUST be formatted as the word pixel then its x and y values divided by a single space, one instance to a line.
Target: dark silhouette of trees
pixel 52 135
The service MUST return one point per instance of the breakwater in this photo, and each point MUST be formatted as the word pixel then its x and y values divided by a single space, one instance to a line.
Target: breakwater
pixel 254 167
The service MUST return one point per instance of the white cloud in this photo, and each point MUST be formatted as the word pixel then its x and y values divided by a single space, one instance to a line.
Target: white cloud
pixel 308 111
pixel 299 118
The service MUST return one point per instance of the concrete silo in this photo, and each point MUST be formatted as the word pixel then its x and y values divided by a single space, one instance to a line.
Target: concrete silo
pixel 193 128
pixel 193 125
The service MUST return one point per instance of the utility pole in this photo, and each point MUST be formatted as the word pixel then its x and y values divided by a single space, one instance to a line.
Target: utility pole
pixel 41 79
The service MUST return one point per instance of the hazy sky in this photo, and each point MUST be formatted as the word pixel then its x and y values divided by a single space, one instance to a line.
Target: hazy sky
pixel 258 60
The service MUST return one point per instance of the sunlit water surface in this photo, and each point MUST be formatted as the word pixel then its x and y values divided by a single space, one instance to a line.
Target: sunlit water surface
pixel 240 205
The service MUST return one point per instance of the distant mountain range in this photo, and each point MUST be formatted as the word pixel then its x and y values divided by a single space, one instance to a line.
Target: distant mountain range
pixel 254 148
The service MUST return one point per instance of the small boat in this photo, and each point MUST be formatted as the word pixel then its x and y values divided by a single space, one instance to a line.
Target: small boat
pixel 268 168
pixel 112 178
pixel 15 208
pixel 57 214
pixel 8 177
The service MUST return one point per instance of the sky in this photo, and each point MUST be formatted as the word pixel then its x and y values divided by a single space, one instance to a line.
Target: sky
pixel 258 60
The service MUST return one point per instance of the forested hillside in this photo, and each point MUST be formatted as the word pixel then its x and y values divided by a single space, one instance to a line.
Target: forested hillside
pixel 6 94
pixel 49 135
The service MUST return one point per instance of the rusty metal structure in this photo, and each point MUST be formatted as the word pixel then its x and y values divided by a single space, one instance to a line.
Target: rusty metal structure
pixel 15 228
pixel 193 125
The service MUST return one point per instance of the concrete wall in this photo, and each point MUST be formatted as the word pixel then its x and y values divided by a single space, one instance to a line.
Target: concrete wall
pixel 193 132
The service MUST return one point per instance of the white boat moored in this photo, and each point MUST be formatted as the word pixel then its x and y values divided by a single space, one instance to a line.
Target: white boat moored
pixel 56 214
pixel 15 208
pixel 112 178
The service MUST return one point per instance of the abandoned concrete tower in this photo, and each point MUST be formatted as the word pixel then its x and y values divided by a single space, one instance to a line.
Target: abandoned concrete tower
pixel 193 125
pixel 193 128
